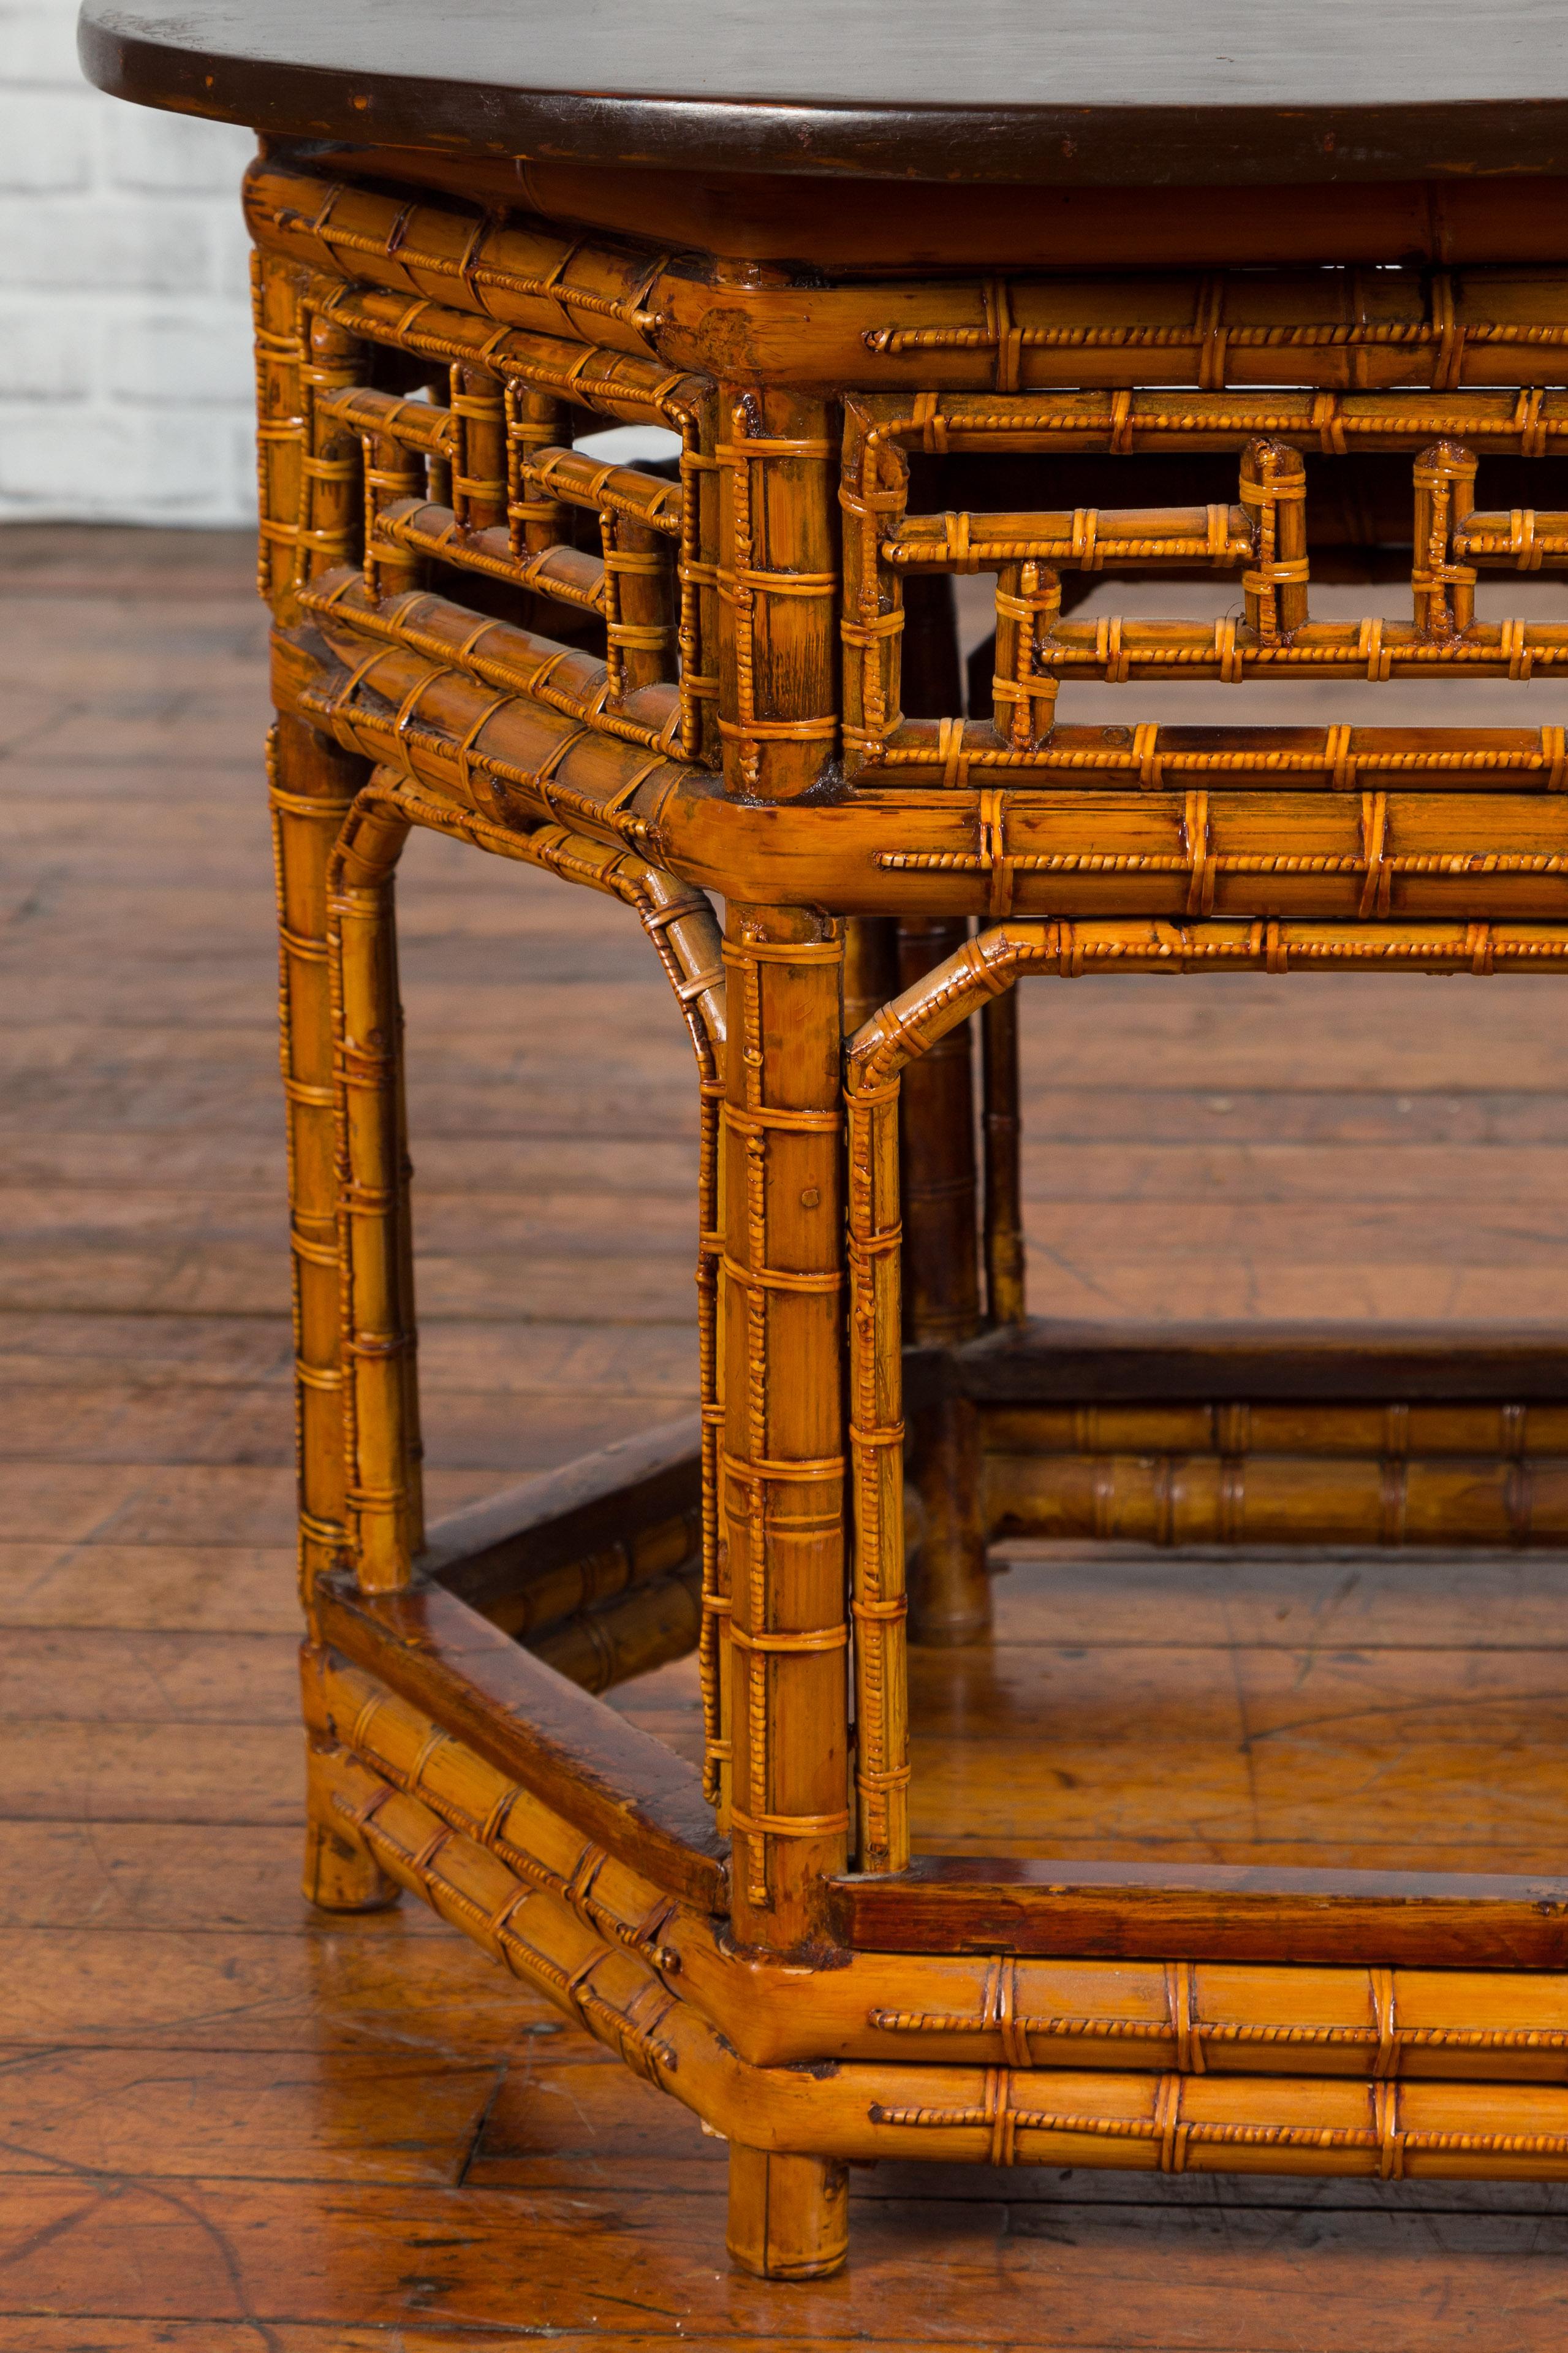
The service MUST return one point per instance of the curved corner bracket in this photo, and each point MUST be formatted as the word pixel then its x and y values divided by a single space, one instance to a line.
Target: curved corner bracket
pixel 907 1027
pixel 679 922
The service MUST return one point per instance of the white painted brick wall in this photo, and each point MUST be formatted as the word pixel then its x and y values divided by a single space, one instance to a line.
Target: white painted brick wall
pixel 125 383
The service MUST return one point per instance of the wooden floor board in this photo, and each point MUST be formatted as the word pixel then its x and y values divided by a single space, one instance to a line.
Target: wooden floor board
pixel 227 2123
pixel 211 1587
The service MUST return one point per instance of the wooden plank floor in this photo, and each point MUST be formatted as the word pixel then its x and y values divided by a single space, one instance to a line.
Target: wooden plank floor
pixel 229 2124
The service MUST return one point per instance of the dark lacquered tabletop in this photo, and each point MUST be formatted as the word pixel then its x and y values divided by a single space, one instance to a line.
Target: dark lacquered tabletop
pixel 1146 93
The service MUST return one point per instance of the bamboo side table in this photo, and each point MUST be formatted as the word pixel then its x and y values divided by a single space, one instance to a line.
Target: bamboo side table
pixel 901 328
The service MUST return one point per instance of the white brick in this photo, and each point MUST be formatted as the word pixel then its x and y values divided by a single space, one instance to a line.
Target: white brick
pixel 170 466
pixel 202 353
pixel 125 379
pixel 174 154
pixel 38 46
pixel 49 350
pixel 49 140
pixel 110 242
pixel 232 247
pixel 242 479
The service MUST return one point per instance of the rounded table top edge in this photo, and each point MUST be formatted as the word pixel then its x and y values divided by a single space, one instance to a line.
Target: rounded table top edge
pixel 165 61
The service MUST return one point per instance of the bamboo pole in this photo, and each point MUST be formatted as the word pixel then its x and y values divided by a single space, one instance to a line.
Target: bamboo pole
pixel 1328 327
pixel 332 501
pixel 630 1635
pixel 1131 421
pixel 1200 2017
pixel 561 679
pixel 1044 848
pixel 951 1593
pixel 1255 1498
pixel 789 2216
pixel 1001 1129
pixel 381 1402
pixel 281 431
pixel 1444 588
pixel 479 483
pixel 1371 2127
pixel 1521 1432
pixel 783 1470
pixel 778 584
pixel 877 1457
pixel 311 789
pixel 1274 499
pixel 640 618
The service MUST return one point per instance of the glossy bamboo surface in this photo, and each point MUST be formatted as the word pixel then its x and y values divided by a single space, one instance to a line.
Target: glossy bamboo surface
pixel 739 675
pixel 294 2108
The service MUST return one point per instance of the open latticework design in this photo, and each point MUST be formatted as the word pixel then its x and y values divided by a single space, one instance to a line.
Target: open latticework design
pixel 724 672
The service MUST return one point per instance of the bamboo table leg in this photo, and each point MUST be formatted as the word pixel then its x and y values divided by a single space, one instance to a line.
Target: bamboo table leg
pixel 789 2216
pixel 950 1596
pixel 783 1475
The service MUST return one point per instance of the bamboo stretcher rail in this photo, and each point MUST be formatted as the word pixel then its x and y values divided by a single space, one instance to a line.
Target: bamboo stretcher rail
pixel 1189 2017
pixel 384 1530
pixel 569 575
pixel 1144 420
pixel 1168 1498
pixel 581 480
pixel 1335 758
pixel 1521 539
pixel 549 768
pixel 416 423
pixel 1116 650
pixel 615 382
pixel 638 1630
pixel 522 274
pixel 1086 538
pixel 1198 857
pixel 1008 2115
pixel 1334 327
pixel 564 678
pixel 1349 852
pixel 1347 858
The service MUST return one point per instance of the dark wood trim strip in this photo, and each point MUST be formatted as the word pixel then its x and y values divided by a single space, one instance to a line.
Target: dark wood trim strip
pixel 1200 1911
pixel 622 1789
pixel 525 1533
pixel 1043 1362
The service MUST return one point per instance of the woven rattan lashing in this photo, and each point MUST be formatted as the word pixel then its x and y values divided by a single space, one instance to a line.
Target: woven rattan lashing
pixel 732 671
